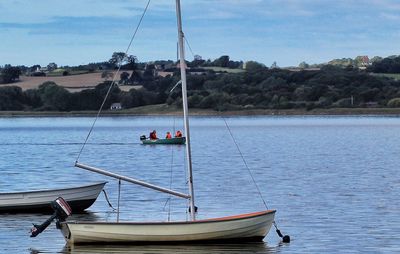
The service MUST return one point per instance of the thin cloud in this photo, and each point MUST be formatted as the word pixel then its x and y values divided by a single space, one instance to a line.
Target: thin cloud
pixel 390 16
pixel 286 31
pixel 386 5
pixel 44 11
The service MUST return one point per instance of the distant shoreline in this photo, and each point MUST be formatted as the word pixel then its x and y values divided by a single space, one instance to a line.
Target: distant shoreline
pixel 162 111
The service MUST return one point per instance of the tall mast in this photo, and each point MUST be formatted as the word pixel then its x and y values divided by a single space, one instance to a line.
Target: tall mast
pixel 185 108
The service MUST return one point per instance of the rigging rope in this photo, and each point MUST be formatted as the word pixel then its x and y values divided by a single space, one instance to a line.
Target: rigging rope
pixel 170 186
pixel 173 128
pixel 119 198
pixel 190 48
pixel 170 183
pixel 186 182
pixel 285 238
pixel 245 163
pixel 114 79
pixel 108 201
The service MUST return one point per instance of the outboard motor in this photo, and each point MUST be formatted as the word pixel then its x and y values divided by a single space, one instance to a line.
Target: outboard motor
pixel 143 137
pixel 61 211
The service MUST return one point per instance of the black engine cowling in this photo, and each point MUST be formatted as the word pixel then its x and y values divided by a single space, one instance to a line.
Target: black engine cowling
pixel 61 212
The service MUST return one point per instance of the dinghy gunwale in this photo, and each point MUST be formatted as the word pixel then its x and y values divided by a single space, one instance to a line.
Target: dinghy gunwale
pixel 211 220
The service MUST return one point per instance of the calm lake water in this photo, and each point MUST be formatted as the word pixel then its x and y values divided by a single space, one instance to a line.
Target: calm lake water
pixel 334 181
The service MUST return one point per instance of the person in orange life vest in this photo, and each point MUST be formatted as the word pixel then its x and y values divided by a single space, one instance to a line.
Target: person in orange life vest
pixel 168 135
pixel 153 135
pixel 178 134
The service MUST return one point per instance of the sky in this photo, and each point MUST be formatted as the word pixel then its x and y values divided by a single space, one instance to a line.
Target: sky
pixel 287 32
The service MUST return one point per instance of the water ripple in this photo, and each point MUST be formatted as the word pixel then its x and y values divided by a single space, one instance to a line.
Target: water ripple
pixel 334 181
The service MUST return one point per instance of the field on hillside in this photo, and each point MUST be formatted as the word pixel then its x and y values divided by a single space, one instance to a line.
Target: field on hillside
pixel 222 69
pixel 73 83
pixel 395 76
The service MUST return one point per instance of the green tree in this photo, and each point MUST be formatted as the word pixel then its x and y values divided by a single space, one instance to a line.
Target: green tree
pixel 101 92
pixel 54 97
pixel 11 98
pixel 118 58
pixel 128 62
pixel 222 61
pixel 343 103
pixel 133 98
pixel 394 103
pixel 254 66
pixel 9 74
pixel 52 66
pixel 376 59
pixel 304 65
pixel 33 98
pixel 124 77
pixel 107 74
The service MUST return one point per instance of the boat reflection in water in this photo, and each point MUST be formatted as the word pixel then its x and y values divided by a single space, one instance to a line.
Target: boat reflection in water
pixel 259 247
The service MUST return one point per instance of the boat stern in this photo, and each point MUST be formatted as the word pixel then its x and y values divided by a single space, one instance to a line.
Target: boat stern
pixel 63 226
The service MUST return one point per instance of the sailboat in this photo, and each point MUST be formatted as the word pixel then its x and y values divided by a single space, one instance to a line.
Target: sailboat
pixel 243 227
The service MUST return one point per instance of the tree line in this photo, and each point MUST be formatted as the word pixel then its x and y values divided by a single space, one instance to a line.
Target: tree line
pixel 9 74
pixel 387 65
pixel 257 88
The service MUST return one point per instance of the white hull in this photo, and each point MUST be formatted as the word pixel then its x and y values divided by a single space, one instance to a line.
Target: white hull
pixel 79 198
pixel 245 227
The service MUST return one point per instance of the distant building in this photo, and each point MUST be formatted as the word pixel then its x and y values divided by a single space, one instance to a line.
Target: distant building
pixel 163 73
pixel 43 69
pixel 178 65
pixel 371 104
pixel 116 106
pixel 38 72
pixel 197 73
pixel 364 60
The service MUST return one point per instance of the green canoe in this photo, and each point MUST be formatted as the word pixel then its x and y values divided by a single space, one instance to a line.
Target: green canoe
pixel 164 141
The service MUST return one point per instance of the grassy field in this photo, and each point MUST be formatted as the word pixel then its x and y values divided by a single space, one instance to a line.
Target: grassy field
pixel 395 76
pixel 59 72
pixel 163 109
pixel 222 69
pixel 73 83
